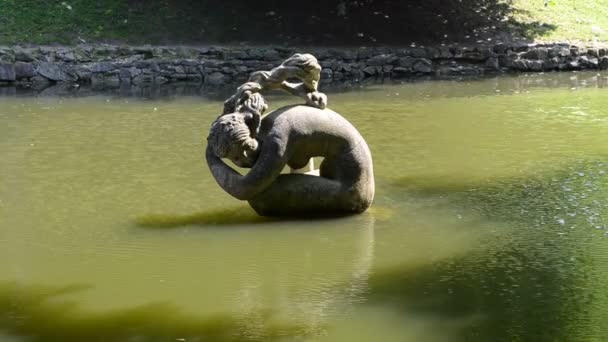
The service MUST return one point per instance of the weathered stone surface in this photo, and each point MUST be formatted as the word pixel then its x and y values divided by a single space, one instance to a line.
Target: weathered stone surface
pixel 401 70
pixel 381 60
pixel 69 64
pixel 102 67
pixel 406 62
pixel 7 72
pixel 24 55
pixel 551 63
pixel 423 65
pixel 351 189
pixel 573 65
pixel 492 64
pixel 535 65
pixel 520 64
pixel 24 70
pixel 53 72
pixel 327 73
pixel 370 70
pixel 216 78
pixel 540 53
pixel 7 55
pixel 603 63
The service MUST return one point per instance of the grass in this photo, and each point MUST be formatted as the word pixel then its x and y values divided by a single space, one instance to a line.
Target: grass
pixel 77 21
pixel 574 20
pixel 204 21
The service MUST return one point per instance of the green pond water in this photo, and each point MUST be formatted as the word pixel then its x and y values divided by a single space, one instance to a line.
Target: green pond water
pixel 490 221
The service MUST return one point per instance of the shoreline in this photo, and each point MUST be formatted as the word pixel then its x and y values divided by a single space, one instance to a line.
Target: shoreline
pixel 516 83
pixel 103 66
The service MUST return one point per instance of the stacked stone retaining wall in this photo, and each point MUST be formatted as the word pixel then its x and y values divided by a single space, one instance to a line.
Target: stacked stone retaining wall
pixel 110 66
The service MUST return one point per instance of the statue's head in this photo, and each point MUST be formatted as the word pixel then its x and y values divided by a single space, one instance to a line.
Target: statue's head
pixel 230 137
pixel 306 67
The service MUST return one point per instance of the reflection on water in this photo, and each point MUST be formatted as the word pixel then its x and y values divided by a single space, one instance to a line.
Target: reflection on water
pixel 489 222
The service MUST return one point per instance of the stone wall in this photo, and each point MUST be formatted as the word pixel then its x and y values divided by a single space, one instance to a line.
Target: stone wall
pixel 110 66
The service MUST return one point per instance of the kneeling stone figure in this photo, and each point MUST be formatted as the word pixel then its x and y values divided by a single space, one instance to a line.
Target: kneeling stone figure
pixel 290 136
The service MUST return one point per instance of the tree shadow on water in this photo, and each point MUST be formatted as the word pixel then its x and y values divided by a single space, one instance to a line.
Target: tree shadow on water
pixel 43 314
pixel 532 281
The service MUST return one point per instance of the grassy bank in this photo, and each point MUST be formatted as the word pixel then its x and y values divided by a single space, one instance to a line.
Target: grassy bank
pixel 77 21
pixel 377 22
pixel 571 20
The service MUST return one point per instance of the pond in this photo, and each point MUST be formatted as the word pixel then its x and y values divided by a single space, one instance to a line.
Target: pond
pixel 490 221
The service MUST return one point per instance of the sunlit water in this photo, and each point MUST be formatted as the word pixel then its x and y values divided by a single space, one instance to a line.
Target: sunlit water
pixel 490 222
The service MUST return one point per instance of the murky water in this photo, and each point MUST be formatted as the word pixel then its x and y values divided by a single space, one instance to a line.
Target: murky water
pixel 490 222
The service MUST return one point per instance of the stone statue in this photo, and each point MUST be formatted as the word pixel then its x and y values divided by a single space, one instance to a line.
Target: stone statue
pixel 290 136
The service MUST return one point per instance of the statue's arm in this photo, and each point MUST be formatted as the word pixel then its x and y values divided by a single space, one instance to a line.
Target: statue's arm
pixel 313 98
pixel 267 168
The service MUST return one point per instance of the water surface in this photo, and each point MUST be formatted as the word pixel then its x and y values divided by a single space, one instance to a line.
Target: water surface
pixel 490 221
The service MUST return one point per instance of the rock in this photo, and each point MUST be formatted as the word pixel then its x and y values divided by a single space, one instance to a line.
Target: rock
pixel 236 54
pixel 401 70
pixel 492 63
pixel 24 70
pixel 588 62
pixel 442 52
pixel 364 53
pixel 53 72
pixel 143 78
pixel 603 63
pixel 551 64
pixel 83 73
pixel 564 52
pixel 125 75
pixel 500 48
pixel 381 60
pixel 474 54
pixel 241 69
pixel 24 55
pixel 535 65
pixel 536 54
pixel 7 56
pixel 574 51
pixel 65 56
pixel 271 55
pixel 102 67
pixel 417 52
pixel 344 54
pixel 423 65
pixel 405 62
pixel 573 65
pixel 520 64
pixel 326 73
pixel 370 70
pixel 216 78
pixel 7 72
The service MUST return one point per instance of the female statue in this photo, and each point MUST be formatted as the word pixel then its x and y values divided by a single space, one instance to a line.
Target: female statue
pixel 290 136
